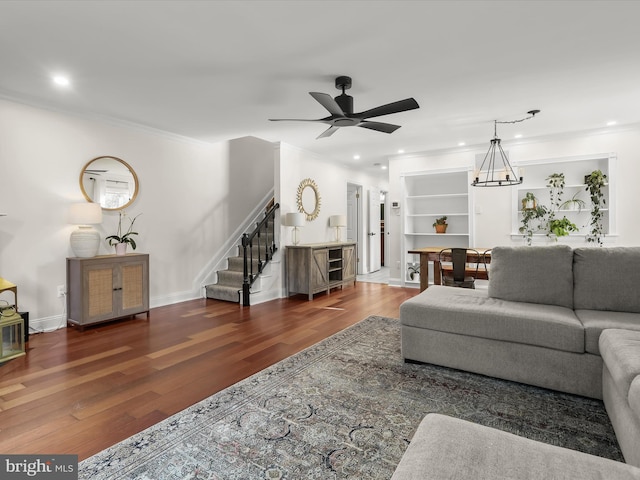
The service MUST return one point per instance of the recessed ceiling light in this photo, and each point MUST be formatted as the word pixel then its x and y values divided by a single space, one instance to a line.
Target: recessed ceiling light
pixel 611 123
pixel 61 80
pixel 356 157
pixel 401 151
pixel 517 135
pixel 461 144
pixel 383 167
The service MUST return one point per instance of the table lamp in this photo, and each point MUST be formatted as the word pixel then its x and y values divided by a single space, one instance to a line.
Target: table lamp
pixel 85 240
pixel 295 220
pixel 338 221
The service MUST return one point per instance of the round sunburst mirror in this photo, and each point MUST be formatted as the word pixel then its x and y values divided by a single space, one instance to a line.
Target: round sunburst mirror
pixel 308 199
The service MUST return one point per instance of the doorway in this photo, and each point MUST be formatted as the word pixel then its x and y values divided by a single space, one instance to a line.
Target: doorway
pixel 354 194
pixel 367 210
pixel 384 234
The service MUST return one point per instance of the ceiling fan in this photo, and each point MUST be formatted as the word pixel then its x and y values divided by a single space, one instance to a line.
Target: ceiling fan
pixel 341 110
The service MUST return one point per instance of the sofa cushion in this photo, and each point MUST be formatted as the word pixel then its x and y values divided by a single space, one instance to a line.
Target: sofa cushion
pixel 607 279
pixel 620 350
pixel 450 448
pixel 595 321
pixel 634 398
pixel 539 274
pixel 473 313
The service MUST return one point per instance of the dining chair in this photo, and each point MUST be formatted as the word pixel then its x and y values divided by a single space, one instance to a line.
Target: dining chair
pixel 486 260
pixel 455 271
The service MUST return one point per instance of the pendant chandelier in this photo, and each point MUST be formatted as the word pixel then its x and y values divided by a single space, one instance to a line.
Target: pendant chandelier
pixel 496 171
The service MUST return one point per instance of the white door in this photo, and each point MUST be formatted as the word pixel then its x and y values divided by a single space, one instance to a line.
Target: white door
pixel 352 213
pixel 353 220
pixel 373 229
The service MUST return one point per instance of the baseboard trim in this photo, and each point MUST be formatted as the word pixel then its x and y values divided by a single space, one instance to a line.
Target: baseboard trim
pixel 47 324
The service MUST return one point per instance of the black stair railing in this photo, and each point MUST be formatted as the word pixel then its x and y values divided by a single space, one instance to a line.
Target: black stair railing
pixel 261 245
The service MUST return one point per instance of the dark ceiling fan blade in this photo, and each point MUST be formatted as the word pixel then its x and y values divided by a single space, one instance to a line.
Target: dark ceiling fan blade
pixel 395 107
pixel 341 110
pixel 328 132
pixel 379 126
pixel 328 102
pixel 293 120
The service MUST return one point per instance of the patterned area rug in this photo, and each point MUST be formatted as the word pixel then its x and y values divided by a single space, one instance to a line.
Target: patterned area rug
pixel 344 408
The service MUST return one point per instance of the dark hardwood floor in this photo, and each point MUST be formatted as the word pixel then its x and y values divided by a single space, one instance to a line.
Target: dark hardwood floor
pixel 81 392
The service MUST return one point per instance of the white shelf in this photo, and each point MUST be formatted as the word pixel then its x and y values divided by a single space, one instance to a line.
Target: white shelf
pixel 425 234
pixel 585 209
pixel 442 195
pixel 439 214
pixel 574 170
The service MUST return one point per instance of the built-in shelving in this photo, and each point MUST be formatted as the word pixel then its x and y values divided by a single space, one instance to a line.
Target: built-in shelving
pixel 426 197
pixel 574 170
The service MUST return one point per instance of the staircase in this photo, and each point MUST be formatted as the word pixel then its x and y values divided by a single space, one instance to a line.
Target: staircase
pixel 254 253
pixel 230 281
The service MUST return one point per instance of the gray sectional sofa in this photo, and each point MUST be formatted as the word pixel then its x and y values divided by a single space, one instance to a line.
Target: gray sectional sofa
pixel 447 448
pixel 621 388
pixel 541 322
pixel 538 323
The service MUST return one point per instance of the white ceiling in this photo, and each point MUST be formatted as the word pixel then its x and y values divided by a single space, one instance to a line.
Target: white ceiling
pixel 217 70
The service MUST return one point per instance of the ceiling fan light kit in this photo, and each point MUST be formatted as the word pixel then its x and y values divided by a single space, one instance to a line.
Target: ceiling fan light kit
pixel 496 171
pixel 341 110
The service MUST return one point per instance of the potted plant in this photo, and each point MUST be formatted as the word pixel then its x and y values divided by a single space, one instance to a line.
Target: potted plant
pixel 529 201
pixel 555 183
pixel 120 240
pixel 441 225
pixel 414 271
pixel 532 220
pixel 561 227
pixel 574 203
pixel 595 182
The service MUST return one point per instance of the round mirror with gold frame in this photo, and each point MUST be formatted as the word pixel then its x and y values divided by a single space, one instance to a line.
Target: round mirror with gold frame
pixel 109 181
pixel 308 199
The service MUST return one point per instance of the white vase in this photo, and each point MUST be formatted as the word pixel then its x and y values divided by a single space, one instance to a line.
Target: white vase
pixel 121 248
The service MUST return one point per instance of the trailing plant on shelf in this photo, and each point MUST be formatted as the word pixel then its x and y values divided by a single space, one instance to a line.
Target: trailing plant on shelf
pixel 560 227
pixel 595 183
pixel 533 218
pixel 126 237
pixel 555 184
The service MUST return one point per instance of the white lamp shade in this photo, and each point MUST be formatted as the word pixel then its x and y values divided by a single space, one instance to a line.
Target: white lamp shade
pixel 295 219
pixel 85 213
pixel 338 221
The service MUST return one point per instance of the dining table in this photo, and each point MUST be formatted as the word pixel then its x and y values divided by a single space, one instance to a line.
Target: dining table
pixel 432 254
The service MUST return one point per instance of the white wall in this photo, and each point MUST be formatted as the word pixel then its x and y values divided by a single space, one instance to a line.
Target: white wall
pixel 493 223
pixel 294 166
pixel 191 196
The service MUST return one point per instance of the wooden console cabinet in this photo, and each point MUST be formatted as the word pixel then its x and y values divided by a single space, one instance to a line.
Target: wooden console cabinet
pixel 320 267
pixel 106 288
